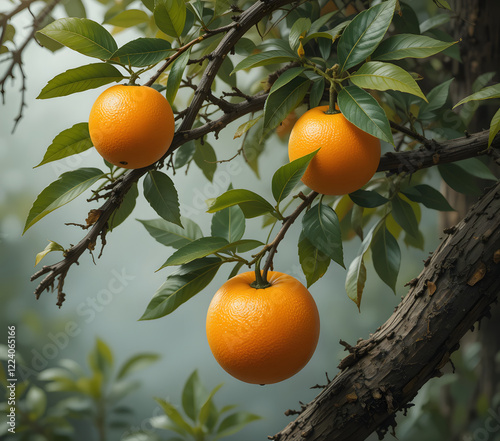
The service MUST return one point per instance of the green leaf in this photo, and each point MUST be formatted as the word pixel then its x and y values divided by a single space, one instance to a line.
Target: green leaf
pixel 205 158
pixel 172 235
pixel 362 110
pixel 101 359
pixel 402 46
pixel 229 224
pixel 142 52
pixel 208 412
pixel 330 34
pixel 69 142
pixel 385 76
pixel 313 262
pixel 180 286
pixel 245 127
pixel 52 246
pixel 125 209
pixel 160 192
pixel 265 58
pixel 368 198
pixel 137 363
pixel 429 196
pixel 286 77
pixel 128 18
pixel 197 249
pixel 281 102
pixel 36 401
pixel 243 245
pixel 224 72
pixel 436 98
pixel 477 168
pixel 386 257
pixel 299 28
pixel 66 188
pixel 80 79
pixel 170 16
pixel 356 274
pixel 316 93
pixel 179 425
pixel 435 21
pixel 184 154
pixel 321 226
pixel 405 216
pixel 193 395
pixel 221 6
pixel 458 179
pixel 250 203
pixel 234 423
pixel 82 35
pixel 494 127
pixel 363 34
pixel 175 75
pixel 287 176
pixel 75 8
pixel 487 93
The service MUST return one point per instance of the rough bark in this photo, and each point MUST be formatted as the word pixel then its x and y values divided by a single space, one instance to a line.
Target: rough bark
pixel 383 373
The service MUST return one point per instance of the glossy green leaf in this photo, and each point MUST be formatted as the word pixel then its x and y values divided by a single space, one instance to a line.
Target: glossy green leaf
pixel 265 58
pixel 321 226
pixel 143 52
pixel 406 20
pixel 128 18
pixel 386 256
pixel 313 262
pixel 368 198
pixel 385 76
pixel 229 224
pixel 356 273
pixel 330 34
pixel 490 92
pixel 67 143
pixel 316 93
pixel 206 159
pixel 184 154
pixel 286 77
pixel 193 395
pixel 494 127
pixel 234 423
pixel 435 21
pixel 363 34
pixel 281 102
pixel 361 109
pixel 170 16
pixel 160 192
pixel 197 249
pixel 250 203
pixel 80 79
pixel 288 176
pixel 180 286
pixel 477 168
pixel 125 209
pixel 436 98
pixel 458 179
pixel 401 46
pixel 405 216
pixel 243 245
pixel 66 188
pixel 299 28
pixel 175 75
pixel 428 196
pixel 52 246
pixel 82 35
pixel 172 235
pixel 136 363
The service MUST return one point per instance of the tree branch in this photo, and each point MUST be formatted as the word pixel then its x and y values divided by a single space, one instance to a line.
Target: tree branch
pixel 383 373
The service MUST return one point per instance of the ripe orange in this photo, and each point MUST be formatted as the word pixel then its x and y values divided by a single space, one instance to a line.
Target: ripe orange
pixel 131 126
pixel 262 336
pixel 347 159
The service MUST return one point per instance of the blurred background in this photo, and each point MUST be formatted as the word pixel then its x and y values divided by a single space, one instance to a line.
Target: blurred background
pixel 105 299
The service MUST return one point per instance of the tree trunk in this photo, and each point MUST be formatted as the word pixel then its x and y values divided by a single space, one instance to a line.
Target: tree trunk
pixel 383 373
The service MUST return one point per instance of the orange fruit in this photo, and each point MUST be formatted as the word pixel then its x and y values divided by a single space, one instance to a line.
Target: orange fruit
pixel 262 336
pixel 347 159
pixel 131 126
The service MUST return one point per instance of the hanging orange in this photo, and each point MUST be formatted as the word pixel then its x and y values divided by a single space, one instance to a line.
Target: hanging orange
pixel 131 126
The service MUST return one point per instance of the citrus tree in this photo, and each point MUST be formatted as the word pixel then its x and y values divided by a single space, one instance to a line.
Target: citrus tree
pixel 372 121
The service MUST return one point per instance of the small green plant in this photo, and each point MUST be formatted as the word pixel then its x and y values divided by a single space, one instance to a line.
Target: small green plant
pixel 202 420
pixel 44 408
